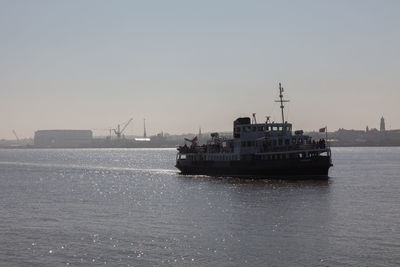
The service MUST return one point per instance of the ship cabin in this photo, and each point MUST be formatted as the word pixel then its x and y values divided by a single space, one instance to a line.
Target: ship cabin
pixel 270 141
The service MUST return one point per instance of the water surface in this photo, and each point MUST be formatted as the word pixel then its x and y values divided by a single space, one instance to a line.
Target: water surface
pixel 130 207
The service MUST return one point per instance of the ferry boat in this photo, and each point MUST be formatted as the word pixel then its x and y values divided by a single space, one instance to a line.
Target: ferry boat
pixel 258 150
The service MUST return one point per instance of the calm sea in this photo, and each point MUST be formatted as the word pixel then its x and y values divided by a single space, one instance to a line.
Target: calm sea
pixel 130 207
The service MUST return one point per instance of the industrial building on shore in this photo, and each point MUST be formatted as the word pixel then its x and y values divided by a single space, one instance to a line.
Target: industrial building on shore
pixel 63 138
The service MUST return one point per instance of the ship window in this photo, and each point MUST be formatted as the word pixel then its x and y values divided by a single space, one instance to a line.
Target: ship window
pixel 287 141
pixel 267 128
pixel 237 129
pixel 254 128
pixel 274 142
pixel 248 143
pixel 261 128
pixel 293 140
pixel 280 142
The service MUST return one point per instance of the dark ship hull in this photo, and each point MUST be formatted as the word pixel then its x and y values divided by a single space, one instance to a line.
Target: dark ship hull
pixel 316 168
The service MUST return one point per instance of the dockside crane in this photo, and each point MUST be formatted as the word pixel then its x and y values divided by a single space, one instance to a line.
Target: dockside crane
pixel 118 132
pixel 15 134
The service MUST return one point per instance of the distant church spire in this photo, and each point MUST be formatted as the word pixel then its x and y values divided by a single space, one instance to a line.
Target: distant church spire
pixel 382 124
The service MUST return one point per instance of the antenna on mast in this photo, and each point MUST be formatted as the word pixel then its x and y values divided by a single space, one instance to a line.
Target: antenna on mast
pixel 281 101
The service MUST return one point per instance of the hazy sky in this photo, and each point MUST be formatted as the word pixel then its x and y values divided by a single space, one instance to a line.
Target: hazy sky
pixel 185 64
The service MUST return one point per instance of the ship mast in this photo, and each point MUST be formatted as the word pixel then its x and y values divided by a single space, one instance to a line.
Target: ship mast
pixel 281 101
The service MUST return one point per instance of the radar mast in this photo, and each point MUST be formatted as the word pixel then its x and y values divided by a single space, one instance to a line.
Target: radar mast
pixel 281 101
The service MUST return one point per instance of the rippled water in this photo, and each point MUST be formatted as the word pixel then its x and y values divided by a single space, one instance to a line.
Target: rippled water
pixel 129 207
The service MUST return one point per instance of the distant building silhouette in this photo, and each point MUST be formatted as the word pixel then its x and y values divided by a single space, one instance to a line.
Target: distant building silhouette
pixel 382 124
pixel 63 138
